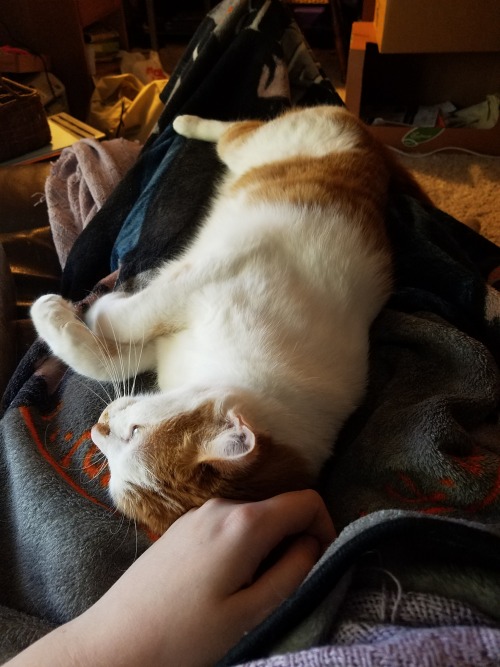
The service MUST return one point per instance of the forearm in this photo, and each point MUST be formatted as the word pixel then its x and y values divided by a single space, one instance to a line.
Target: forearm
pixel 86 642
pixel 59 648
pixel 195 592
pixel 92 642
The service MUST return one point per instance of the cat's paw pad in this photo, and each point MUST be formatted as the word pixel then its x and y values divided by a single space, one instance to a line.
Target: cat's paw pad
pixel 186 126
pixel 55 318
pixel 51 310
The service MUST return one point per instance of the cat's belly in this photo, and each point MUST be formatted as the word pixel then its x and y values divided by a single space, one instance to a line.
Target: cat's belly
pixel 318 357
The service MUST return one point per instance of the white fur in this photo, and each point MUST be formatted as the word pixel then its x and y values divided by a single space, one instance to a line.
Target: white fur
pixel 269 308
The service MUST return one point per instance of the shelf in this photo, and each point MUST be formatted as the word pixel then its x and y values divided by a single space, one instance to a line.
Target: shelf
pixel 55 28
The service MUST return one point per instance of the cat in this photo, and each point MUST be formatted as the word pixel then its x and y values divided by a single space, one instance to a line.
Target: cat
pixel 258 333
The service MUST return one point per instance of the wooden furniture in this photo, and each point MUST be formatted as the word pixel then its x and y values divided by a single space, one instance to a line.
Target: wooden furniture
pixel 55 28
pixel 338 29
pixel 378 80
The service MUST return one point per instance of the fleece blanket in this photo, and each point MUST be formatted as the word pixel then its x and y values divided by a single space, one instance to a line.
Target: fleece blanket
pixel 79 183
pixel 414 482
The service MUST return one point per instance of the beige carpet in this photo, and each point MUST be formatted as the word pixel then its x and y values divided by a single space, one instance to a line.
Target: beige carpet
pixel 465 186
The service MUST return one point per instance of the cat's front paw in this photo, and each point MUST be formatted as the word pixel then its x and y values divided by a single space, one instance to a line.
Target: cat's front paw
pixel 51 314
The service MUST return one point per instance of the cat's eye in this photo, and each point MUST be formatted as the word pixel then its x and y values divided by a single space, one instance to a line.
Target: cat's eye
pixel 133 432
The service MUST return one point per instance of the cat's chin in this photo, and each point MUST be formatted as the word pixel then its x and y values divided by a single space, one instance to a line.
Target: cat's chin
pixel 98 437
pixel 148 510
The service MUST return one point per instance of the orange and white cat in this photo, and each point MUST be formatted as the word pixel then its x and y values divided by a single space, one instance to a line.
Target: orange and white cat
pixel 258 332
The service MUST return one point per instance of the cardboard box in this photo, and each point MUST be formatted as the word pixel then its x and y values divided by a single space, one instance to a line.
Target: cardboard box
pixel 91 11
pixel 437 26
pixel 376 80
pixel 422 141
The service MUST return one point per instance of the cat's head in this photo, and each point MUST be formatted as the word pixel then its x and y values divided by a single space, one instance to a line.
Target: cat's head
pixel 167 455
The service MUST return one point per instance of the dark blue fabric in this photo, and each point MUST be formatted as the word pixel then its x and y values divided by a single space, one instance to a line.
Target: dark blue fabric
pixel 236 66
pixel 158 160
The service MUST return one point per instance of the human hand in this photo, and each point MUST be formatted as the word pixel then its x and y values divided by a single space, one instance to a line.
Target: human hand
pixel 191 596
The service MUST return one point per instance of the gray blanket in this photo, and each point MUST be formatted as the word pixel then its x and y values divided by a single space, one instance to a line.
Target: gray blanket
pixel 414 485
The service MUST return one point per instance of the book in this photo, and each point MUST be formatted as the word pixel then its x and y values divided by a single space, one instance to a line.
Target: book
pixel 97 33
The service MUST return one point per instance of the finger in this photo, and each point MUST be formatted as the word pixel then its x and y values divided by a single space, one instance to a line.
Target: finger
pixel 281 580
pixel 243 535
pixel 240 536
pixel 294 513
pixel 271 519
pixel 254 530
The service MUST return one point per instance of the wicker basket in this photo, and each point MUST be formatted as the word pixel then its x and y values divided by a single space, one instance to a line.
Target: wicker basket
pixel 23 123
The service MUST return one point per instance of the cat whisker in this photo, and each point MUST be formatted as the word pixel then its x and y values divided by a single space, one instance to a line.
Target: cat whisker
pixel 94 392
pixel 124 376
pixel 138 356
pixel 136 541
pixel 105 358
pixel 177 507
pixel 114 512
pixel 103 466
pixel 123 371
pixel 155 481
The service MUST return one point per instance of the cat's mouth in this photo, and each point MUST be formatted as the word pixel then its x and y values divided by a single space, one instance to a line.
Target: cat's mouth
pixel 100 436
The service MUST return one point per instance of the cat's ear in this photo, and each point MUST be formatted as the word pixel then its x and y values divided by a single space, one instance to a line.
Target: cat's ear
pixel 232 446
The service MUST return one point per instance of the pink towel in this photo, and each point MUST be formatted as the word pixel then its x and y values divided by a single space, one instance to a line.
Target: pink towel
pixel 80 181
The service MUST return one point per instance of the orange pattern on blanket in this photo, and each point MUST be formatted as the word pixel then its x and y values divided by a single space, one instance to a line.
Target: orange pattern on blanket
pixel 490 498
pixel 65 464
pixel 410 494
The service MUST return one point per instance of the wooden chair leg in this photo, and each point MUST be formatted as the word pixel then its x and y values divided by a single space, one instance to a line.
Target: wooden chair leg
pixel 338 29
pixel 338 36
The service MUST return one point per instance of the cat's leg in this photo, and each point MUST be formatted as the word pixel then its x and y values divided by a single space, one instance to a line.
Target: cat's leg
pixel 228 135
pixel 195 127
pixel 156 310
pixel 69 338
pixel 233 139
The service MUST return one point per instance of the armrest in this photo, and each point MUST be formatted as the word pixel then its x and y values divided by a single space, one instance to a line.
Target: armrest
pixel 29 262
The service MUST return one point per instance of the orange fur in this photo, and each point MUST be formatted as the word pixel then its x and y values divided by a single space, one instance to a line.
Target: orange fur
pixel 236 134
pixel 175 455
pixel 350 186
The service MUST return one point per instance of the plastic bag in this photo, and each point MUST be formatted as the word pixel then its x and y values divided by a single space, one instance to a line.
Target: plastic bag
pixel 145 68
pixel 122 106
